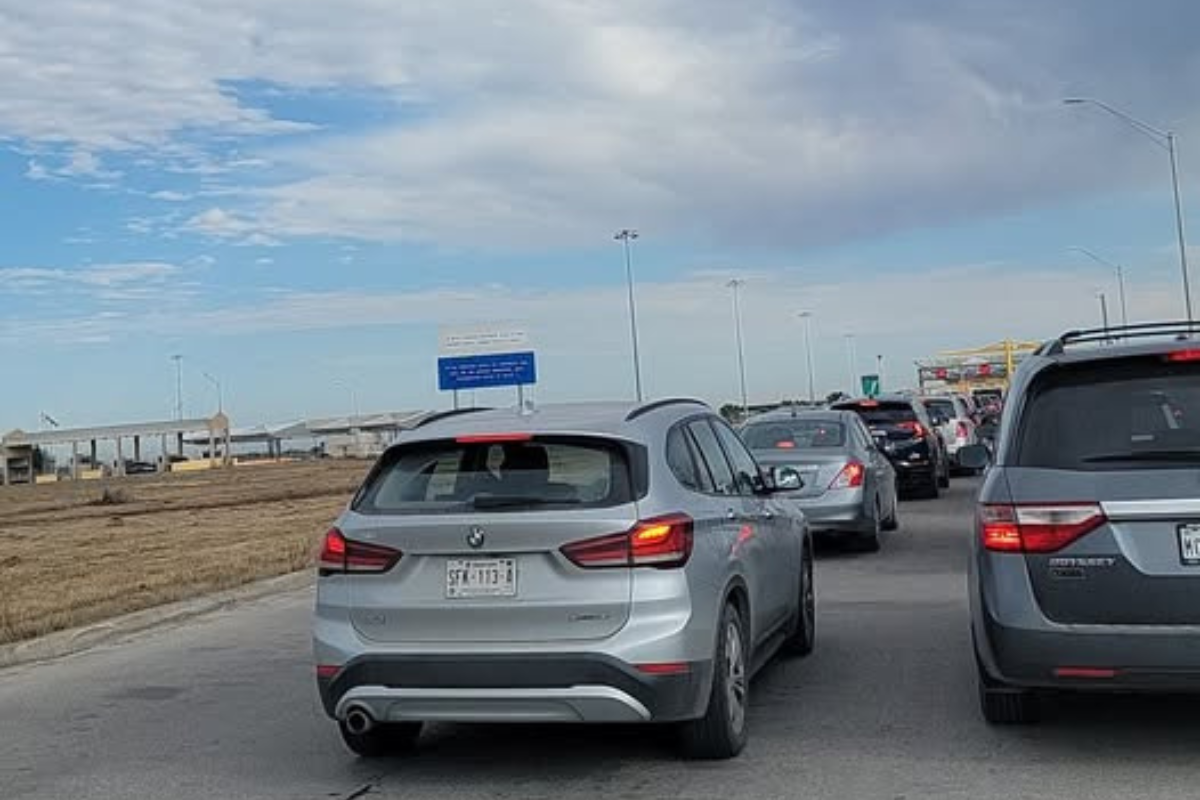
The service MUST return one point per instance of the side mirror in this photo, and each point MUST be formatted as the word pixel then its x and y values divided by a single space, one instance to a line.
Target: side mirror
pixel 786 479
pixel 974 456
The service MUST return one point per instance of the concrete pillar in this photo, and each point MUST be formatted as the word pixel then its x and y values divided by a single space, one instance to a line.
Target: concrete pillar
pixel 3 468
pixel 74 461
pixel 179 443
pixel 94 459
pixel 164 462
pixel 137 448
pixel 228 442
pixel 120 458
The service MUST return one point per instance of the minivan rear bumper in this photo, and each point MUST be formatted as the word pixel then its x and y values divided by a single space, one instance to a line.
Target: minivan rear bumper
pixel 517 688
pixel 1017 645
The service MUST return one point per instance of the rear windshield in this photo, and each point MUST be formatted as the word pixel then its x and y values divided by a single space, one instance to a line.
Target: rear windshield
pixel 1142 414
pixel 943 407
pixel 453 478
pixel 802 434
pixel 883 413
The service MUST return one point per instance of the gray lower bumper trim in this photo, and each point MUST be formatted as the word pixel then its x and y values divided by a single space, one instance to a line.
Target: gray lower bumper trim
pixel 573 704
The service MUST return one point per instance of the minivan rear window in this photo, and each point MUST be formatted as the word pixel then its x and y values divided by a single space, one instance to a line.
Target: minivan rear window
pixel 877 414
pixel 452 477
pixel 1134 414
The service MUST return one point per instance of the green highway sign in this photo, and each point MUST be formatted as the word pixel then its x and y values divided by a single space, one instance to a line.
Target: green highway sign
pixel 870 385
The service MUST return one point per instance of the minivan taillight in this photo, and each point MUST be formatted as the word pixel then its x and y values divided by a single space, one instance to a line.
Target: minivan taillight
pixel 961 431
pixel 340 555
pixel 662 542
pixel 1037 527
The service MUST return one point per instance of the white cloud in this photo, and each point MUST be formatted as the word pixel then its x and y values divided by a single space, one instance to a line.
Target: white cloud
pixel 20 280
pixel 170 196
pixel 542 122
pixel 686 324
pixel 264 261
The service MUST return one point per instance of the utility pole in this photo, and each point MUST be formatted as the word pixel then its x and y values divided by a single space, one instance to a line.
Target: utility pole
pixel 625 236
pixel 178 359
pixel 812 386
pixel 736 285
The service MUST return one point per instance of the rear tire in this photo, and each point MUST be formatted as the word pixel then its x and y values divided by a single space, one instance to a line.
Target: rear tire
pixel 382 740
pixel 868 542
pixel 721 732
pixel 803 638
pixel 1006 705
pixel 893 522
pixel 944 477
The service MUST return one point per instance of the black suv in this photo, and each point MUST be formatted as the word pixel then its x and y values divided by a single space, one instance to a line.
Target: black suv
pixel 903 430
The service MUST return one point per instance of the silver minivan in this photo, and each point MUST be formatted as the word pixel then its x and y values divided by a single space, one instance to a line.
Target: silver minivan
pixel 573 563
pixel 1085 573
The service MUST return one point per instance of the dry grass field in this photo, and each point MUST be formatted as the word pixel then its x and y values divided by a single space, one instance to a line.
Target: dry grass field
pixel 71 556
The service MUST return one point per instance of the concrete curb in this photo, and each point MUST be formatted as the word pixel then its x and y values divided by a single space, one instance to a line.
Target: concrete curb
pixel 76 640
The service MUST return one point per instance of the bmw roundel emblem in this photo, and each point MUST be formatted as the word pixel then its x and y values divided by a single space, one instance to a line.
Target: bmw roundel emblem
pixel 475 537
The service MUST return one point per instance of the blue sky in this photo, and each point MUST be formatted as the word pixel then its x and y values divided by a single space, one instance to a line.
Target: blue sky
pixel 295 200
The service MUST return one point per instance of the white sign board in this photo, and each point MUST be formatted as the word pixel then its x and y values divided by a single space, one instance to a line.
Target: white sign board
pixel 479 340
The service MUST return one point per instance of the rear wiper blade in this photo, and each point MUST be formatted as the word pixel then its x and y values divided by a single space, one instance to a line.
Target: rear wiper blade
pixel 511 500
pixel 1146 455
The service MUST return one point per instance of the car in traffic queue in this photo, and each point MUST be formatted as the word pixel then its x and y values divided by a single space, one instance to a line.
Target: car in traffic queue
pixel 901 427
pixel 593 563
pixel 1085 567
pixel 849 485
pixel 952 417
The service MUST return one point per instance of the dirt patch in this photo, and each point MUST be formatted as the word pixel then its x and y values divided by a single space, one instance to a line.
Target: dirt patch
pixel 69 559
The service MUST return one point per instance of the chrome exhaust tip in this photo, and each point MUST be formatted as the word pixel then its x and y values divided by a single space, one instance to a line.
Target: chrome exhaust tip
pixel 359 721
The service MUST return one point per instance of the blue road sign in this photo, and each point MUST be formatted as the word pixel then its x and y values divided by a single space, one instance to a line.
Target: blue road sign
pixel 485 371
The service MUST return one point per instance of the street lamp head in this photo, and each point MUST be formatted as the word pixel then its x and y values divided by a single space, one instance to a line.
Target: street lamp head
pixel 804 314
pixel 625 234
pixel 1075 101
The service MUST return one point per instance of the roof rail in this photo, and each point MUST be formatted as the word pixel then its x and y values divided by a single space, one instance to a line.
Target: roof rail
pixel 654 405
pixel 1113 333
pixel 438 416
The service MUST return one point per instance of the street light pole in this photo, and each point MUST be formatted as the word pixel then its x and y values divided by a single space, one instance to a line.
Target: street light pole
pixel 1165 140
pixel 220 394
pixel 1104 312
pixel 736 285
pixel 807 317
pixel 1120 279
pixel 852 361
pixel 178 359
pixel 625 236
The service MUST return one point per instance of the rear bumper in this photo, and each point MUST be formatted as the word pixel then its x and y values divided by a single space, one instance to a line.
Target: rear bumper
pixel 837 511
pixel 914 476
pixel 518 688
pixel 1017 645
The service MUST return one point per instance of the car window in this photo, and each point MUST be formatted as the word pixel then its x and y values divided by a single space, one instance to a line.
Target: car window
pixel 1138 414
pixel 714 457
pixel 453 477
pixel 682 461
pixel 792 434
pixel 749 479
pixel 945 407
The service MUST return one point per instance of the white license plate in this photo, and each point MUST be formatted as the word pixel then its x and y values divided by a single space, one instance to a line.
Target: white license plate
pixel 481 577
pixel 1189 544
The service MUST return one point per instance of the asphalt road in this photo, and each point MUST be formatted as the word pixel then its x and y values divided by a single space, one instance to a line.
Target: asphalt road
pixel 225 708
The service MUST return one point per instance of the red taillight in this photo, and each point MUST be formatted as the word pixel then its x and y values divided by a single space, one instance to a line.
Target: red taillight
pixel 917 429
pixel 342 555
pixel 786 445
pixel 1093 673
pixel 851 476
pixel 493 438
pixel 665 668
pixel 1184 355
pixel 961 431
pixel 1037 528
pixel 662 542
pixel 327 670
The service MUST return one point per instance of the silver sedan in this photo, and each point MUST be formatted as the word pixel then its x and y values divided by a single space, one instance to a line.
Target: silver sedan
pixel 849 485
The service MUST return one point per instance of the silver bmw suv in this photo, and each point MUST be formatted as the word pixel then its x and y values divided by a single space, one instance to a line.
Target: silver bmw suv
pixel 575 563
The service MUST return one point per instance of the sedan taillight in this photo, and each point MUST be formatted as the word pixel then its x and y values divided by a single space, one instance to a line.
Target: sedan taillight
pixel 851 476
pixel 662 542
pixel 1037 527
pixel 340 555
